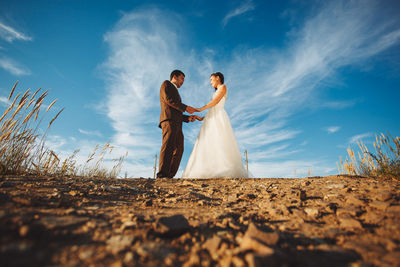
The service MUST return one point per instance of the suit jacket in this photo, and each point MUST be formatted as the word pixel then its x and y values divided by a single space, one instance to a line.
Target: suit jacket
pixel 171 104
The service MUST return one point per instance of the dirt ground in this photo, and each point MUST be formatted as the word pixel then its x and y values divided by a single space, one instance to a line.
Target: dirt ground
pixel 320 221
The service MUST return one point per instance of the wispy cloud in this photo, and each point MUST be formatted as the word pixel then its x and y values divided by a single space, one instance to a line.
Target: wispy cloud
pixel 4 101
pixel 338 104
pixel 283 82
pixel 10 34
pixel 359 137
pixel 13 67
pixel 266 87
pixel 243 8
pixel 144 49
pixel 95 133
pixel 332 129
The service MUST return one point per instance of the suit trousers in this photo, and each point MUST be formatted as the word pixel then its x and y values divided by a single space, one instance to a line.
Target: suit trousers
pixel 171 149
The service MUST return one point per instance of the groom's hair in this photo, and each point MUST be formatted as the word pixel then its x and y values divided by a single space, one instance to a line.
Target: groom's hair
pixel 220 75
pixel 176 73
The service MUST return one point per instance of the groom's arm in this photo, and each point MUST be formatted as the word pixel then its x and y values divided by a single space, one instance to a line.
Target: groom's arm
pixel 169 95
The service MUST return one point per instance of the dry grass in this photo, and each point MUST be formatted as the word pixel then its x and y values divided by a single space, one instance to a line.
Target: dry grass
pixel 385 162
pixel 22 142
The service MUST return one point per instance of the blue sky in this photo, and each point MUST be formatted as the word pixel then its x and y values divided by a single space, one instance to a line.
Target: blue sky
pixel 306 79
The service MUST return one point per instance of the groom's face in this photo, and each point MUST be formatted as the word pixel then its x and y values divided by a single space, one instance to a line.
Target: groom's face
pixel 179 80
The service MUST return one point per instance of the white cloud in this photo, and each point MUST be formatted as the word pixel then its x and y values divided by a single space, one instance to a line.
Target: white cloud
pixel 332 129
pixel 243 8
pixel 144 49
pixel 359 137
pixel 95 133
pixel 4 101
pixel 266 87
pixel 13 67
pixel 338 104
pixel 282 82
pixel 10 34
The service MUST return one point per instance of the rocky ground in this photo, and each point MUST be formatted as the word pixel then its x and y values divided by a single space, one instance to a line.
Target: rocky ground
pixel 328 221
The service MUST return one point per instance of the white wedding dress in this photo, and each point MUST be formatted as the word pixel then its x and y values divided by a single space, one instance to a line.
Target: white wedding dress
pixel 215 153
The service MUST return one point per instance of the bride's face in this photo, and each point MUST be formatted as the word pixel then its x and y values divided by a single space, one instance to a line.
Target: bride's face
pixel 214 81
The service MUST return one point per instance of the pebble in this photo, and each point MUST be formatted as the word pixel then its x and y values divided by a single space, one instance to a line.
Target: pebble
pixel 117 243
pixel 23 230
pixel 379 204
pixel 172 225
pixel 312 212
pixel 350 223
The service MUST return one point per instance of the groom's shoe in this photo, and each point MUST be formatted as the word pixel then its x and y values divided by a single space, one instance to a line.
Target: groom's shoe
pixel 165 177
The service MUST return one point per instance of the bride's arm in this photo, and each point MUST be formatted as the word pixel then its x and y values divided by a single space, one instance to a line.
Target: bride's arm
pixel 221 92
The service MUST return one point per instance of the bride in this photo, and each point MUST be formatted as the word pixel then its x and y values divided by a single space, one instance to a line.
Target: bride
pixel 215 153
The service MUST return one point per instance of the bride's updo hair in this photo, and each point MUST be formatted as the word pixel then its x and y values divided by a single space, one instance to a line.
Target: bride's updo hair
pixel 220 75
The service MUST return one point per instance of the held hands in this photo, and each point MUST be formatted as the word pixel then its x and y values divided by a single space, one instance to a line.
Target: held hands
pixel 199 118
pixel 190 109
pixel 195 117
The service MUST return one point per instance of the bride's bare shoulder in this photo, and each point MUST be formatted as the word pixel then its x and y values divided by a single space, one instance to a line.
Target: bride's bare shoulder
pixel 222 88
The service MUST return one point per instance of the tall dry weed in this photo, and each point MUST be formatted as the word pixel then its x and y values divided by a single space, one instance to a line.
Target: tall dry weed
pixel 385 162
pixel 22 142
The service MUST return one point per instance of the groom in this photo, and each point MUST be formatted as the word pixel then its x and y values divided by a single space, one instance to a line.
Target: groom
pixel 171 118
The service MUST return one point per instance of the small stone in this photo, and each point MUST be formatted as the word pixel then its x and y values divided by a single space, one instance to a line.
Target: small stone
pixel 212 245
pixel 250 259
pixel 128 257
pixel 23 231
pixel 335 186
pixel 232 198
pixel 349 223
pixel 2 213
pixel 348 210
pixel 86 253
pixel 22 201
pixel 394 209
pixel 312 212
pixel 372 217
pixel 53 221
pixel 383 196
pixel 379 205
pixel 253 232
pixel 234 226
pixel 172 225
pixel 117 264
pixel 194 260
pixel 251 196
pixel 303 195
pixel 392 257
pixel 249 243
pixel 73 193
pixel 238 262
pixel 148 203
pixel 354 201
pixel 153 250
pixel 118 243
pixel 225 261
pixel 128 225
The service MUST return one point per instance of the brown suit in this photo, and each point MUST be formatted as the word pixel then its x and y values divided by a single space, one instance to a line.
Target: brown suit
pixel 171 118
